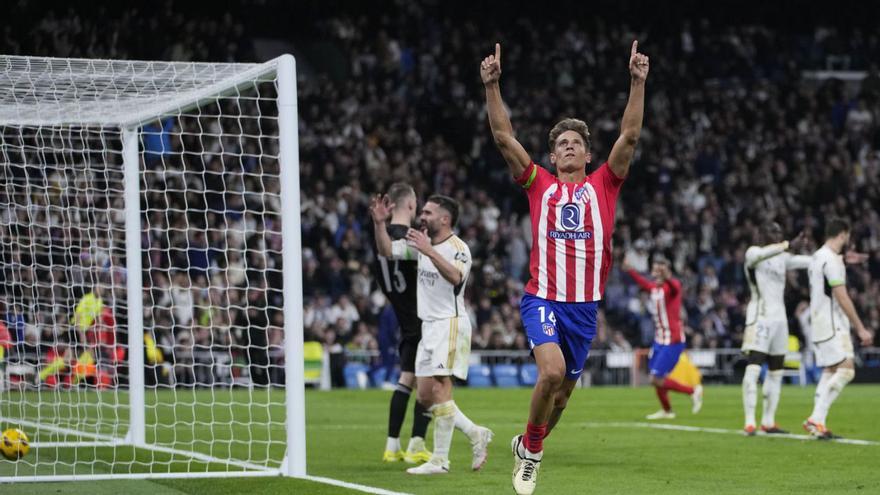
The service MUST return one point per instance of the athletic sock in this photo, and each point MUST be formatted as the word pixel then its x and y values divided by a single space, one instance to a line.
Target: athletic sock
pixel 750 392
pixel 771 391
pixel 818 415
pixel 392 444
pixel 397 409
pixel 677 386
pixel 444 426
pixel 464 423
pixel 663 395
pixel 533 440
pixel 835 385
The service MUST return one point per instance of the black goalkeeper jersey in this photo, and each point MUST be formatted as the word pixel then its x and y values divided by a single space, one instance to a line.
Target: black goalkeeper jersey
pixel 397 279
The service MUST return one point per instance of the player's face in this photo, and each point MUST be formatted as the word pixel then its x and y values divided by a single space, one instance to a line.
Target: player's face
pixel 659 271
pixel 774 233
pixel 570 152
pixel 431 218
pixel 411 207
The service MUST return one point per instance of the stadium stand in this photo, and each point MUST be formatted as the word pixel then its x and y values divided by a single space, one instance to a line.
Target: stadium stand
pixel 732 137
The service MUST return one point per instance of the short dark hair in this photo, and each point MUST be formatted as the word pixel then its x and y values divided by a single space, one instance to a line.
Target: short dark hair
pixel 834 226
pixel 400 190
pixel 447 204
pixel 569 124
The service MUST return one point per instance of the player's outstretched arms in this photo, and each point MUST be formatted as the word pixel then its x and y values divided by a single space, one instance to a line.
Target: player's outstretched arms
pixel 499 120
pixel 631 124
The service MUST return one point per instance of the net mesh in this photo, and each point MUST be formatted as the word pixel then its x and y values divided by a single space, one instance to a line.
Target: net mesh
pixel 211 265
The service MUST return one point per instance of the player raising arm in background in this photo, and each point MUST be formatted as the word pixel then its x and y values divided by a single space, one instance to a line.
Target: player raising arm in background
pixel 766 334
pixel 669 338
pixel 572 218
pixel 397 279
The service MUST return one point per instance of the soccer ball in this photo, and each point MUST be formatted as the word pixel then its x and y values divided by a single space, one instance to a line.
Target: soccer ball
pixel 14 444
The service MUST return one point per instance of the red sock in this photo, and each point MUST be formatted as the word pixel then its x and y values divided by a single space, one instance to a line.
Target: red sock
pixel 677 386
pixel 663 395
pixel 533 440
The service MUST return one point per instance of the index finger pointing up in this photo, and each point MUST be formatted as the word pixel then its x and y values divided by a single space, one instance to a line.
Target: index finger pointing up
pixel 635 48
pixel 498 52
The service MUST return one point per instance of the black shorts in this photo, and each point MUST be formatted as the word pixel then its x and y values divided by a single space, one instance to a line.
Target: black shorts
pixel 408 347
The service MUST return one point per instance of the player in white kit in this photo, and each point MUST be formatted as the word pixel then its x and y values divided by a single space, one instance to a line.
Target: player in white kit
pixel 444 351
pixel 831 314
pixel 766 333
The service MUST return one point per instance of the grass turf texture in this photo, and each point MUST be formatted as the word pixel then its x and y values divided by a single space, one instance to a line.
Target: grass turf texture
pixel 585 454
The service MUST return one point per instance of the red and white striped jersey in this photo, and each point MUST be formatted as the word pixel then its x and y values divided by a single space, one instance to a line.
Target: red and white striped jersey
pixel 571 233
pixel 665 308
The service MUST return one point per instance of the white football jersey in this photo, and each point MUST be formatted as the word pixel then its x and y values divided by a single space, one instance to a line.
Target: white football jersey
pixel 826 317
pixel 765 268
pixel 436 297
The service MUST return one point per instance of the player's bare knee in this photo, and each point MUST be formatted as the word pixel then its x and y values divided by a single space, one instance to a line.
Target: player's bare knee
pixel 425 396
pixel 552 377
pixel 407 379
pixel 657 381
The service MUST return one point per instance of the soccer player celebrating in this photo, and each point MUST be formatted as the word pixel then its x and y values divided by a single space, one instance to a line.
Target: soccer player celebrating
pixel 397 279
pixel 669 339
pixel 831 313
pixel 766 334
pixel 572 222
pixel 444 262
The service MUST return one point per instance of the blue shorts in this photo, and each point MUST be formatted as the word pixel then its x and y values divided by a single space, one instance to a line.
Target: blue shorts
pixel 571 326
pixel 664 358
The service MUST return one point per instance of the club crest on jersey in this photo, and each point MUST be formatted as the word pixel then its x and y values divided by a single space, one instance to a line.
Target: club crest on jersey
pixel 580 194
pixel 571 216
pixel 549 330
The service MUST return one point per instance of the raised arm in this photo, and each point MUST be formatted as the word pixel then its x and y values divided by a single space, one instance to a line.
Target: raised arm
pixel 380 210
pixel 757 254
pixel 631 124
pixel 643 282
pixel 499 120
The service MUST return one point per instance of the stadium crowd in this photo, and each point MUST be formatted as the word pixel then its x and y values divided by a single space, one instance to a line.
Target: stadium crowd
pixel 735 135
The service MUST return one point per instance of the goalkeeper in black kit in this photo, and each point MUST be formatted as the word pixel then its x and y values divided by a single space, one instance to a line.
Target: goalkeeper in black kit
pixel 397 279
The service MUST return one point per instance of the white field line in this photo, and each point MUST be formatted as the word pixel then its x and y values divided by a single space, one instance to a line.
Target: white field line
pixel 109 441
pixel 723 431
pixel 120 442
pixel 352 486
pixel 655 426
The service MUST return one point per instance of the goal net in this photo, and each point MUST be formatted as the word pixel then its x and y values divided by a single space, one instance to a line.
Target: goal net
pixel 149 266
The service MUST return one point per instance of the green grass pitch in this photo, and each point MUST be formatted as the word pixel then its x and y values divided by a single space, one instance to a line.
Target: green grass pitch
pixel 597 448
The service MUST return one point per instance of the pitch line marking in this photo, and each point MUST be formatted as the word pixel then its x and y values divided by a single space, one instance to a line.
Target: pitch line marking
pixel 108 440
pixel 352 486
pixel 723 431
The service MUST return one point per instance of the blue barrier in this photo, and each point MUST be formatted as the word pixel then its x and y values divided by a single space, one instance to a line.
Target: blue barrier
pixel 506 375
pixel 479 375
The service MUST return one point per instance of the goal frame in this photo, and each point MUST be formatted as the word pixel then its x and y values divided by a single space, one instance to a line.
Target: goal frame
pixel 294 461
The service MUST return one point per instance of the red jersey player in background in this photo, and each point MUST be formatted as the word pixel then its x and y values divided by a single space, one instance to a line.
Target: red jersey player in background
pixel 669 337
pixel 572 222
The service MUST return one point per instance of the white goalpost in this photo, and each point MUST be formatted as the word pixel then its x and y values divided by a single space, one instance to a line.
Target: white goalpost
pixel 150 269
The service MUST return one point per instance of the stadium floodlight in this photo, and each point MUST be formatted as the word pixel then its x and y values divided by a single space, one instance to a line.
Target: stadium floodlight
pixel 150 261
